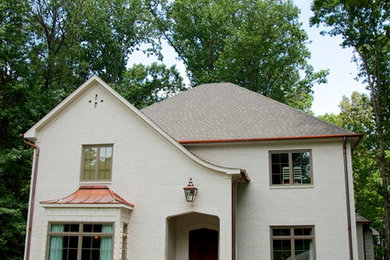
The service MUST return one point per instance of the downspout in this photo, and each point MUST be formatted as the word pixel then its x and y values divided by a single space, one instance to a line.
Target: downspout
pixel 33 189
pixel 364 241
pixel 348 201
pixel 244 178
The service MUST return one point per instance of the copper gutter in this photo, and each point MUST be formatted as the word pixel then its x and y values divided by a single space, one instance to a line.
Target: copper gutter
pixel 348 201
pixel 267 139
pixel 32 202
pixel 244 178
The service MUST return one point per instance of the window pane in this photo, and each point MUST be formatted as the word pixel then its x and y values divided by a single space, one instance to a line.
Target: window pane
pixel 281 249
pixel 301 167
pixel 96 228
pixel 280 168
pixel 57 228
pixel 56 248
pixel 303 231
pixel 87 227
pixel 89 163
pixel 91 247
pixel 304 249
pixel 105 163
pixel 281 231
pixel 71 227
pixel 63 247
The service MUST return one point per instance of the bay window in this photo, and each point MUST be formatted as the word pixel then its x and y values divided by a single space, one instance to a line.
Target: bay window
pixel 80 241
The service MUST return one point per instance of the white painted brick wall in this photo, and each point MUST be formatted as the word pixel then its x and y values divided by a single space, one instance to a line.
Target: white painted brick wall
pixel 150 172
pixel 261 205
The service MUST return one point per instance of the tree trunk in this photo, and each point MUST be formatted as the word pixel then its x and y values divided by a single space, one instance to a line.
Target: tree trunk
pixel 374 84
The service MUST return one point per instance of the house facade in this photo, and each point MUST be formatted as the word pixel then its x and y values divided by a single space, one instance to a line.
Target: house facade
pixel 108 179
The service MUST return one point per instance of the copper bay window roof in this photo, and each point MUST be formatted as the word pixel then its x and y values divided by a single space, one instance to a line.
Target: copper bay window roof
pixel 91 195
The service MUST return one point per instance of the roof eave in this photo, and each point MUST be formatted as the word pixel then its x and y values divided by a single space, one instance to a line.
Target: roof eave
pixel 86 205
pixel 358 136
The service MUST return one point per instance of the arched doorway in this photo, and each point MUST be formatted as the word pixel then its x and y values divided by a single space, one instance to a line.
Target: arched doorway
pixel 193 236
pixel 203 244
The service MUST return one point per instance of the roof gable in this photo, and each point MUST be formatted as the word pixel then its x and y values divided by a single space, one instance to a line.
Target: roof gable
pixel 58 111
pixel 227 112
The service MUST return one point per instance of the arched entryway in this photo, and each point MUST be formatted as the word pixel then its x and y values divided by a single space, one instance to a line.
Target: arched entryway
pixel 203 244
pixel 192 236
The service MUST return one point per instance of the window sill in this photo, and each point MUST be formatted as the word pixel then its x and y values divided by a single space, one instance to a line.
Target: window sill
pixel 282 187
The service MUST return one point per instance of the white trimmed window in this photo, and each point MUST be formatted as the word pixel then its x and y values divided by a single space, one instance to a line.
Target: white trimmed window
pixel 292 243
pixel 290 167
pixel 79 241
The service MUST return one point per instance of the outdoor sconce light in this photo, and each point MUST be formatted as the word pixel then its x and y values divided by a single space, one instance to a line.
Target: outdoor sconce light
pixel 190 191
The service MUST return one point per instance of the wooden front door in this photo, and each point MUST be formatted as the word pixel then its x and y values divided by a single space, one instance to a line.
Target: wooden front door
pixel 203 244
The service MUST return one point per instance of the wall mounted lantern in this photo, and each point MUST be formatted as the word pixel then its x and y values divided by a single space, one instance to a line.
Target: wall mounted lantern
pixel 190 191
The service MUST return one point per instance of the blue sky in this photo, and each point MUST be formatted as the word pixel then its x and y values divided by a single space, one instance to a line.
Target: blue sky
pixel 326 53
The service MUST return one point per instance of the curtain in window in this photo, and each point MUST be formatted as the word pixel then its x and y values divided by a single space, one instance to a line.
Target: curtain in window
pixel 56 243
pixel 106 244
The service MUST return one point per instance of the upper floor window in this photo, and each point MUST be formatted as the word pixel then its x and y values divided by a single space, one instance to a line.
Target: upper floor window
pixel 290 167
pixel 97 162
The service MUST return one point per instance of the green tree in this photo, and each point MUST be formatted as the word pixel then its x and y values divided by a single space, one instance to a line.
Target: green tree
pixel 257 44
pixel 74 39
pixel 356 115
pixel 47 49
pixel 16 113
pixel 143 85
pixel 364 26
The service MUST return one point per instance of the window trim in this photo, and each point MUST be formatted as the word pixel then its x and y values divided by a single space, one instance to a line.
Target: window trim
pixel 83 147
pixel 290 165
pixel 79 234
pixel 125 231
pixel 292 237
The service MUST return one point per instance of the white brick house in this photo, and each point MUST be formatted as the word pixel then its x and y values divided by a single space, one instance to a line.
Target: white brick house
pixel 273 182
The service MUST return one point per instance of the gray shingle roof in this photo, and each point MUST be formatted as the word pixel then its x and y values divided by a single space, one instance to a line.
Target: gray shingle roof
pixel 221 111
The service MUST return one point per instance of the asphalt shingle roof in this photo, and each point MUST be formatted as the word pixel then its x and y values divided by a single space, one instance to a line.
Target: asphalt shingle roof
pixel 224 111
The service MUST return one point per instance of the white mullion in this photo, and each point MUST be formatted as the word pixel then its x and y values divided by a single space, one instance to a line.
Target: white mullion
pixel 290 168
pixel 292 237
pixel 80 242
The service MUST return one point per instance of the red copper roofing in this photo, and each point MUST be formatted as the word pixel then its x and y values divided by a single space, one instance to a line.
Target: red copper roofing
pixel 91 195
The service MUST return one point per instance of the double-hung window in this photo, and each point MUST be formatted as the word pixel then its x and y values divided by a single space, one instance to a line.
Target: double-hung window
pixel 96 163
pixel 79 241
pixel 290 167
pixel 292 243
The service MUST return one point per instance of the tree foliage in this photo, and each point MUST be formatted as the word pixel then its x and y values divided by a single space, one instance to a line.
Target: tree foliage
pixel 47 49
pixel 145 85
pixel 357 116
pixel 256 44
pixel 364 26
